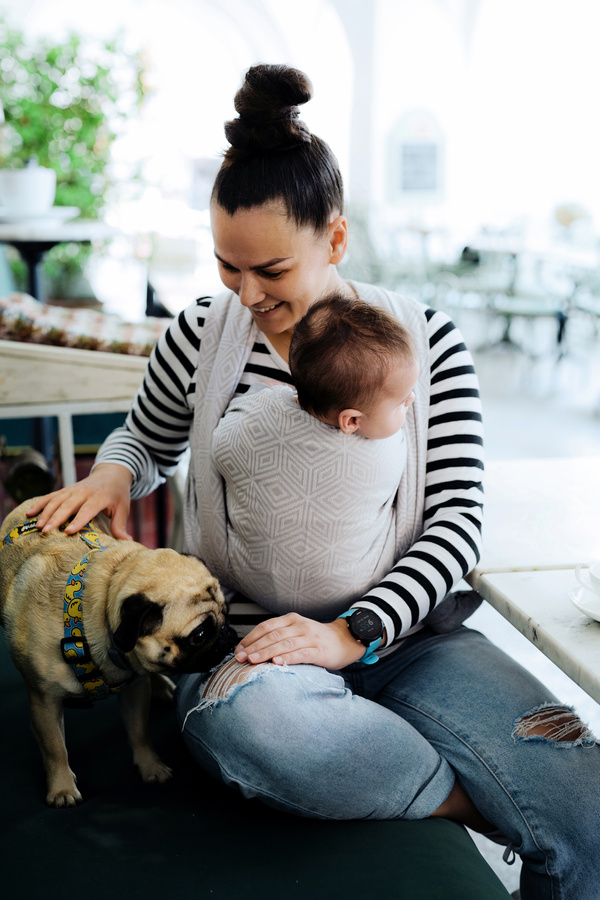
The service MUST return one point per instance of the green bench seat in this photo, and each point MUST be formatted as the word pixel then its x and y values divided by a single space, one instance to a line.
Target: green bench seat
pixel 193 839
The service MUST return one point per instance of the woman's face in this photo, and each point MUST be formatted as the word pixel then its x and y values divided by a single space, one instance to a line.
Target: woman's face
pixel 277 268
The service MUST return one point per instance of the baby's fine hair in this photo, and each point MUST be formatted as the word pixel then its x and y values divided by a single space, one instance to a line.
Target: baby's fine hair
pixel 342 351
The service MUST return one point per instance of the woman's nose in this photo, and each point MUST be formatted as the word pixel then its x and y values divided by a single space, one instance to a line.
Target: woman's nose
pixel 250 292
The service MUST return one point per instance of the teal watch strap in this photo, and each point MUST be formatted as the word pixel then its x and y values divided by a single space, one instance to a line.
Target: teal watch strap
pixel 369 657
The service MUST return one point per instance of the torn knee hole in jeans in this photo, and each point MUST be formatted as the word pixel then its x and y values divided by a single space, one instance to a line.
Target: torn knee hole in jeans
pixel 557 724
pixel 233 674
pixel 227 680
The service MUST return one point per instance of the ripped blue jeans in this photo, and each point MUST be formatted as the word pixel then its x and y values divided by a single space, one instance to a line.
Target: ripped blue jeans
pixel 387 741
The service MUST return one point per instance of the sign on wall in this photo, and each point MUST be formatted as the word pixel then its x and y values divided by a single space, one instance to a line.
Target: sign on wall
pixel 415 159
pixel 419 166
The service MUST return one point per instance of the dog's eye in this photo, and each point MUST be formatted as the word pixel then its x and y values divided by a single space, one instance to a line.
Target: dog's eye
pixel 197 635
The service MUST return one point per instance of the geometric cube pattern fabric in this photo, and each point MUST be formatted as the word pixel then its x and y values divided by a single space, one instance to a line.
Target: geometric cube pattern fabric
pixel 311 515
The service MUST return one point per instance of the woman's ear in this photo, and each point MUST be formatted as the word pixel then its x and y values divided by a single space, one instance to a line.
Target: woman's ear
pixel 338 239
pixel 349 420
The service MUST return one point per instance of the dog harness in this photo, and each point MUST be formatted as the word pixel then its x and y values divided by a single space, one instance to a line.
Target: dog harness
pixel 74 646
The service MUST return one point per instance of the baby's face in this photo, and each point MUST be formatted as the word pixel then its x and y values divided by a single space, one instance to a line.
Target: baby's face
pixel 387 413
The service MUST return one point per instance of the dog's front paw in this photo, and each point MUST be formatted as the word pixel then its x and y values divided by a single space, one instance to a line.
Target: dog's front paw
pixel 62 797
pixel 152 769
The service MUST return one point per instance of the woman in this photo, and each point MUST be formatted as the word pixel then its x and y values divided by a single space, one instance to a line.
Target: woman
pixel 302 718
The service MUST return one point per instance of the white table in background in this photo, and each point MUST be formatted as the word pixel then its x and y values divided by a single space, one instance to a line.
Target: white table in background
pixel 41 380
pixel 542 518
pixel 538 605
pixel 540 514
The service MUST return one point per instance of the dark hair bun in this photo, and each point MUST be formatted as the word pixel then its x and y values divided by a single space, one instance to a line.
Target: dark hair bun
pixel 267 103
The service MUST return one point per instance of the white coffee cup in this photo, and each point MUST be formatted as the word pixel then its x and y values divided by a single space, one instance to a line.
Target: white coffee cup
pixel 592 583
pixel 27 192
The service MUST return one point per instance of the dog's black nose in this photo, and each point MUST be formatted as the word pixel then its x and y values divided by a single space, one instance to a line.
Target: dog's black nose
pixel 228 638
pixel 204 648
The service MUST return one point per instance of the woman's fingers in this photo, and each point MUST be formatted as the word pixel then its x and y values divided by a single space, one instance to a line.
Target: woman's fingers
pixel 39 503
pixel 107 488
pixel 84 514
pixel 55 509
pixel 276 639
pixel 46 506
pixel 266 628
pixel 296 640
pixel 118 523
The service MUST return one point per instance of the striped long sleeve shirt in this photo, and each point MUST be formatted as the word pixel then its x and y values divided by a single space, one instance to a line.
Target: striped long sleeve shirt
pixel 156 435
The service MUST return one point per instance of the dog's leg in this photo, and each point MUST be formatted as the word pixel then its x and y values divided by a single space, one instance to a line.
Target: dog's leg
pixel 47 721
pixel 163 689
pixel 134 704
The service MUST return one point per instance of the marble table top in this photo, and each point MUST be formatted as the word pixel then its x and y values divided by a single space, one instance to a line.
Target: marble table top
pixel 42 230
pixel 538 604
pixel 540 513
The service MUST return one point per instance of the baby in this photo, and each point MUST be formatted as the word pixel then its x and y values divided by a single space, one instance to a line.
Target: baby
pixel 311 477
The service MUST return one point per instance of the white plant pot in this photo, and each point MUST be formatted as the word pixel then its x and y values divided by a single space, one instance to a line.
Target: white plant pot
pixel 27 192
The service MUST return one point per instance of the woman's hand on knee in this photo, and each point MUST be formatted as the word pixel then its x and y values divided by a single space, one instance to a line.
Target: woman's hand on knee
pixel 293 640
pixel 106 489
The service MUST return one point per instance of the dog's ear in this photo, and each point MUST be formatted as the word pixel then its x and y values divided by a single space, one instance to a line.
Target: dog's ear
pixel 139 617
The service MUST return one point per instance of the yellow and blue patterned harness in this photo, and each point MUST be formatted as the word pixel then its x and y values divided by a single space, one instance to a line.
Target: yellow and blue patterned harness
pixel 74 646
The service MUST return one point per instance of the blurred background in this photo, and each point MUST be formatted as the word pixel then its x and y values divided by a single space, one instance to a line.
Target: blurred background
pixel 457 123
pixel 466 134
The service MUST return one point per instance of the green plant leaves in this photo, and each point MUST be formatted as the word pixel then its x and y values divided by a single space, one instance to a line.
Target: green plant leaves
pixel 66 104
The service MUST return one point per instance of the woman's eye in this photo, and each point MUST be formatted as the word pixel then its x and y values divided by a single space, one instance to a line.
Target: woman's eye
pixel 227 267
pixel 271 275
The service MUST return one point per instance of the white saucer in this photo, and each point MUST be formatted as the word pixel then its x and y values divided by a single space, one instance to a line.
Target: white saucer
pixel 586 602
pixel 55 212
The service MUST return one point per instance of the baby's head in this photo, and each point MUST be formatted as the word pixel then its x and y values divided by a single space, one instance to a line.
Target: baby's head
pixel 354 366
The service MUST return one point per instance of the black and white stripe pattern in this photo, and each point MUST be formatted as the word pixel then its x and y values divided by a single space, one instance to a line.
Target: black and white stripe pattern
pixel 156 431
pixel 451 542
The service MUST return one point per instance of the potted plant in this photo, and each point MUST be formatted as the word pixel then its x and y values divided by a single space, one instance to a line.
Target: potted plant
pixel 65 105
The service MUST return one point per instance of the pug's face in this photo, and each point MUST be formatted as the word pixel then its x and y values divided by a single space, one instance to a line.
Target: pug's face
pixel 175 619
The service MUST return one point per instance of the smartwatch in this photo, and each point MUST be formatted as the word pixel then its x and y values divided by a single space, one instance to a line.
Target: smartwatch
pixel 365 626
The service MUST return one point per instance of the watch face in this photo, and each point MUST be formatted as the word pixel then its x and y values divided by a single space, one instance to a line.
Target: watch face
pixel 366 626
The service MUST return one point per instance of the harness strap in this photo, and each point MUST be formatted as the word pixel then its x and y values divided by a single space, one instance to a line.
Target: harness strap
pixel 75 648
pixel 19 530
pixel 88 533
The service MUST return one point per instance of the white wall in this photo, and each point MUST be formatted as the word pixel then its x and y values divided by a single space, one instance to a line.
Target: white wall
pixel 513 84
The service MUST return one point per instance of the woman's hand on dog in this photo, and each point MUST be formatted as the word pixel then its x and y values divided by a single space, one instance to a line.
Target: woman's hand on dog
pixel 105 489
pixel 293 639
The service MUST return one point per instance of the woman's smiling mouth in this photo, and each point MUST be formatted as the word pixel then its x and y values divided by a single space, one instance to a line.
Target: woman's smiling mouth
pixel 263 310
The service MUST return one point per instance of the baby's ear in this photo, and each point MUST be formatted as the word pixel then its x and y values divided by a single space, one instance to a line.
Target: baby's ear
pixel 349 420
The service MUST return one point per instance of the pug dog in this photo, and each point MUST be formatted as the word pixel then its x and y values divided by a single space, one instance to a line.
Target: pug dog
pixel 87 615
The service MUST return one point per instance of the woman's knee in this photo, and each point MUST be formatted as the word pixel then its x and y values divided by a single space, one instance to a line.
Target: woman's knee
pixel 261 707
pixel 299 739
pixel 257 728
